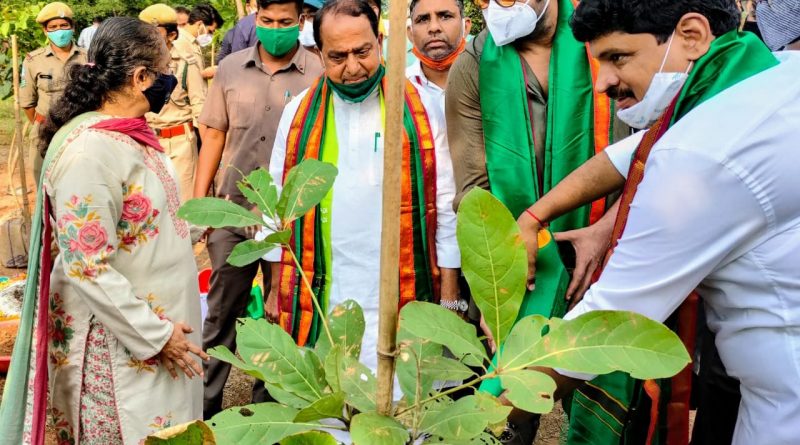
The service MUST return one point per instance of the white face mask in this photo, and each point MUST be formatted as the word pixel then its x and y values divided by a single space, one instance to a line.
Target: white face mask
pixel 512 23
pixel 204 40
pixel 663 88
pixel 307 34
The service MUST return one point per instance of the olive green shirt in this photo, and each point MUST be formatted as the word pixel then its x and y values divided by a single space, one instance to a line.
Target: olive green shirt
pixel 44 76
pixel 465 124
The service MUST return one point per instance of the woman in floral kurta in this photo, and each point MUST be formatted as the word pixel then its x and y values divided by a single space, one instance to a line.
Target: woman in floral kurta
pixel 125 269
pixel 109 326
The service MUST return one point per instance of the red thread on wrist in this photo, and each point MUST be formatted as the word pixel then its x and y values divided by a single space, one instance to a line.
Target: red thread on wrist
pixel 541 223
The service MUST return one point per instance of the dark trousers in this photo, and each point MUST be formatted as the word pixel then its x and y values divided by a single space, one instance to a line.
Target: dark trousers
pixel 228 297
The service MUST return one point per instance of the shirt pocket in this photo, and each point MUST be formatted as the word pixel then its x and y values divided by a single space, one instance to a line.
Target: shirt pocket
pixel 242 110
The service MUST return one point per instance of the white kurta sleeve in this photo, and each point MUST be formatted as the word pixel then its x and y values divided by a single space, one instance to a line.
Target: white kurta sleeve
pixel 276 164
pixel 690 215
pixel 447 252
pixel 622 152
pixel 87 205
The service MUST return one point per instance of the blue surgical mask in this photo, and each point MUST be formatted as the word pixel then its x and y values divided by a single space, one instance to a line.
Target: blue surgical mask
pixel 61 38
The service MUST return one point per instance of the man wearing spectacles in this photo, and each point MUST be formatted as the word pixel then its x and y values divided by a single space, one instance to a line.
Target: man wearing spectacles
pixel 44 71
pixel 521 115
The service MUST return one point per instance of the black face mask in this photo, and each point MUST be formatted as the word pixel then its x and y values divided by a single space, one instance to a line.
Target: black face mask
pixel 158 93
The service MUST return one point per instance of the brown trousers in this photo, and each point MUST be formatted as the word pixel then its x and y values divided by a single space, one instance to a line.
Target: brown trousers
pixel 227 300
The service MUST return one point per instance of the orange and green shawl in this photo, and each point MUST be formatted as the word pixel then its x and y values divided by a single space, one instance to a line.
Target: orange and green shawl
pixel 419 275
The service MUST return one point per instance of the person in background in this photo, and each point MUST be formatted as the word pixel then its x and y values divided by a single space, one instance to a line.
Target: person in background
pixel 242 35
pixel 121 312
pixel 44 71
pixel 347 103
pixel 183 15
pixel 198 33
pixel 85 39
pixel 779 22
pixel 176 122
pixel 310 8
pixel 241 114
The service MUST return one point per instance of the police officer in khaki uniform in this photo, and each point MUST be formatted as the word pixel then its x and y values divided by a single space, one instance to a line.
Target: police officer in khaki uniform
pixel 44 72
pixel 176 122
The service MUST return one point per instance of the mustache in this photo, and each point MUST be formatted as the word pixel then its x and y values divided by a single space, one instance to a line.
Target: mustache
pixel 618 93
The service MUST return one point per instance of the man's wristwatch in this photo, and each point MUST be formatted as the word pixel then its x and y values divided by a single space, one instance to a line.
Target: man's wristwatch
pixel 455 305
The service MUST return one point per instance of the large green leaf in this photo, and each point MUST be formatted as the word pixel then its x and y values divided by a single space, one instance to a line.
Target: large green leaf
pixel 305 186
pixel 444 368
pixel 334 364
pixel 529 390
pixel 413 352
pixel 268 347
pixel 517 351
pixel 249 251
pixel 358 384
pixel 346 322
pixel 310 438
pixel 329 407
pixel 431 321
pixel 260 423
pixel 493 258
pixel 217 212
pixel 258 188
pixel 495 411
pixel 462 420
pixel 224 354
pixel 600 342
pixel 191 433
pixel 285 397
pixel 372 429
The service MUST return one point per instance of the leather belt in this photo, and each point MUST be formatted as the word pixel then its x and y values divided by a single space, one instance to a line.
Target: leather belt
pixel 171 132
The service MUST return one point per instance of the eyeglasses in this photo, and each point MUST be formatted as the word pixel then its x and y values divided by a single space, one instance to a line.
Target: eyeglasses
pixel 483 4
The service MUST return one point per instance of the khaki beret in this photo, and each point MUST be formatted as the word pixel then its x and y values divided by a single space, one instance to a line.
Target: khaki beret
pixel 159 14
pixel 55 10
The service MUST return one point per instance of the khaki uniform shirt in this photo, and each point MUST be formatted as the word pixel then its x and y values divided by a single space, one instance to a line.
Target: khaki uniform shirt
pixel 187 44
pixel 465 124
pixel 186 101
pixel 44 76
pixel 246 101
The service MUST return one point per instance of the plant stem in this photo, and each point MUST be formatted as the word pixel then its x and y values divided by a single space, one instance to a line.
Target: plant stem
pixel 322 318
pixel 448 392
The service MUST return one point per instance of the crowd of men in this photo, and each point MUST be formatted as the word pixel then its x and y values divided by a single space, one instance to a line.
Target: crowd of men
pixel 525 109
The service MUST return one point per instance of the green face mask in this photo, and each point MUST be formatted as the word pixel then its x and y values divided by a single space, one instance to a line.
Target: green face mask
pixel 357 92
pixel 278 41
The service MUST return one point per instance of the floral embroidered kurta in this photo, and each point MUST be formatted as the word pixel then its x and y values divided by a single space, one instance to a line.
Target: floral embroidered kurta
pixel 125 269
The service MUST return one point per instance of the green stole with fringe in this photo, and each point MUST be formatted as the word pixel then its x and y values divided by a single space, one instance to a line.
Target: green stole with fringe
pixel 579 125
pixel 419 275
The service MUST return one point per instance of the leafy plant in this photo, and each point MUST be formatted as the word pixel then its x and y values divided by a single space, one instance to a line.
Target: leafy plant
pixel 326 389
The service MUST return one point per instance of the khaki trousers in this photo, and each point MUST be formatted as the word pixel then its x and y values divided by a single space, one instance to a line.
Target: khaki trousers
pixel 182 150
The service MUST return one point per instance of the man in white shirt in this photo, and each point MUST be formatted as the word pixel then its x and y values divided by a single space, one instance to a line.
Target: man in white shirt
pixel 347 104
pixel 716 209
pixel 85 39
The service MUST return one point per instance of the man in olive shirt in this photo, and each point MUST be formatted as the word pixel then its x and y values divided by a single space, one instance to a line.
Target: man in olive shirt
pixel 242 112
pixel 175 123
pixel 44 72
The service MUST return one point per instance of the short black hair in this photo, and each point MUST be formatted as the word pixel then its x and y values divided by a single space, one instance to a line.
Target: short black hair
pixel 97 19
pixel 170 28
pixel 379 4
pixel 596 18
pixel 207 14
pixel 264 4
pixel 182 10
pixel 414 3
pixel 353 8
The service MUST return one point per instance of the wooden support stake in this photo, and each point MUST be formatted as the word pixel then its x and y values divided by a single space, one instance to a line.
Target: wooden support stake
pixel 18 134
pixel 239 9
pixel 390 234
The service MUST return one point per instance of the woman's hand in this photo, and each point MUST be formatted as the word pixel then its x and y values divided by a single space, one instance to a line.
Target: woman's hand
pixel 177 351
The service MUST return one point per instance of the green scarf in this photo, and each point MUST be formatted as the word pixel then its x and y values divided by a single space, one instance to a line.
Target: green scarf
pixel 15 393
pixel 357 92
pixel 600 413
pixel 509 145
